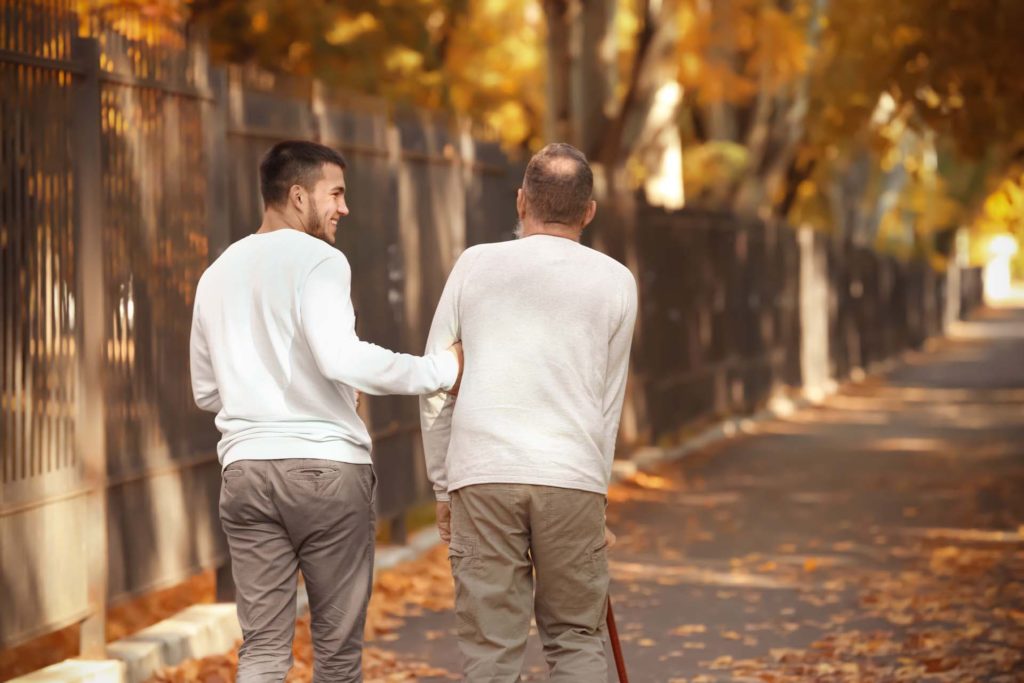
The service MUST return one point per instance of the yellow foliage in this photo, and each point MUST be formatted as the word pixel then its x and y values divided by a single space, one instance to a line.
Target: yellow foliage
pixel 1003 210
pixel 711 169
pixel 154 22
pixel 346 29
pixel 260 21
pixel 784 54
pixel 731 54
pixel 486 59
pixel 496 67
pixel 510 121
pixel 403 60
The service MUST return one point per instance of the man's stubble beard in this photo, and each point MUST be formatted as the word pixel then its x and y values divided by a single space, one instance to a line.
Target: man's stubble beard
pixel 316 225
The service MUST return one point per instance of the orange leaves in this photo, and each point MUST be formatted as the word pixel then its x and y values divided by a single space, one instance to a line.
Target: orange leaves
pixel 407 590
pixel 688 629
pixel 165 11
pixel 216 669
pixel 651 481
pixel 495 66
pixel 952 613
pixel 927 54
pixel 714 82
pixel 404 591
pixel 783 53
pixel 729 52
pixel 347 29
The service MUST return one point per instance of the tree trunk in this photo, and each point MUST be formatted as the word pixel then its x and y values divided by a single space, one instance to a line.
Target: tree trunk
pixel 557 121
pixel 594 70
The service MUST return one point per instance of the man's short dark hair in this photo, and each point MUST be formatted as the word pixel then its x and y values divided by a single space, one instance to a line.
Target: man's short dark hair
pixel 558 185
pixel 293 162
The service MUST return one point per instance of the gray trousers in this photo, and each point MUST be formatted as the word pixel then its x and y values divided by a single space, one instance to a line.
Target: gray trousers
pixel 282 516
pixel 517 549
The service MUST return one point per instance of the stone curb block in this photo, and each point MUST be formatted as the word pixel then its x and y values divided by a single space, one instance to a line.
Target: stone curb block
pixel 77 671
pixel 197 631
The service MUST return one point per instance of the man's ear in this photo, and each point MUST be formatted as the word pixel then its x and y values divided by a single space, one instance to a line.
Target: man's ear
pixel 591 212
pixel 297 197
pixel 520 204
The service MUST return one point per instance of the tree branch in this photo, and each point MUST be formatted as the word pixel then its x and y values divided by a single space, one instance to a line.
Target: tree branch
pixel 610 142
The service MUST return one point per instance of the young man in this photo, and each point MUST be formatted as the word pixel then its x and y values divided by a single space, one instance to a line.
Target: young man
pixel 274 353
pixel 525 453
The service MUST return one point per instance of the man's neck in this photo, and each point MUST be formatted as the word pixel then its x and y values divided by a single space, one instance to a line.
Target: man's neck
pixel 274 219
pixel 553 229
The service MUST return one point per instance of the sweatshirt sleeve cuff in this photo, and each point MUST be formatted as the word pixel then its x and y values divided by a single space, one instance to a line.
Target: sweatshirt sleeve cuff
pixel 442 496
pixel 448 367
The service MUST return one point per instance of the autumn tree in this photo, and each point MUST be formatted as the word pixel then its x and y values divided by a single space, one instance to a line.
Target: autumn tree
pixel 763 106
pixel 867 110
pixel 1001 213
pixel 891 114
pixel 479 60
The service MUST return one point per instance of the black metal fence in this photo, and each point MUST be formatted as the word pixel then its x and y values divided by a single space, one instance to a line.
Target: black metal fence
pixel 720 318
pixel 735 309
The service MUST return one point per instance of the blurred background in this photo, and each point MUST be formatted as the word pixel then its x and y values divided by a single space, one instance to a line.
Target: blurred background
pixel 803 188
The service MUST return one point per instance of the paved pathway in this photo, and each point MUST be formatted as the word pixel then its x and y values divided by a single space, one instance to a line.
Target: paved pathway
pixel 876 538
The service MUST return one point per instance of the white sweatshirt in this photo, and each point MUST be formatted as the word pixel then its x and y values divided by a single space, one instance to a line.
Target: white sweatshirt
pixel 546 326
pixel 275 354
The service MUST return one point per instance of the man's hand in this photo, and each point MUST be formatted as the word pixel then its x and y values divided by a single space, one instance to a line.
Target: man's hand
pixel 443 512
pixel 456 348
pixel 609 538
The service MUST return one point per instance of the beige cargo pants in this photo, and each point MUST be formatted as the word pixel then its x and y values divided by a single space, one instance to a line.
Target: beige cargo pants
pixel 517 549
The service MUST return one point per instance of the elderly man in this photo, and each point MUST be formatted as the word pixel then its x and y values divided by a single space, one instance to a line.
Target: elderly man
pixel 275 354
pixel 523 458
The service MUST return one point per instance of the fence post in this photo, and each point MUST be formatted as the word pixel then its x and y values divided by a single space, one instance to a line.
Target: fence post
pixel 951 307
pixel 318 110
pixel 215 137
pixel 813 301
pixel 219 229
pixel 90 423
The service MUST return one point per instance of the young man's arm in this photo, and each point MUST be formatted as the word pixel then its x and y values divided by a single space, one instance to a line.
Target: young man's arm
pixel 328 320
pixel 618 368
pixel 436 409
pixel 204 383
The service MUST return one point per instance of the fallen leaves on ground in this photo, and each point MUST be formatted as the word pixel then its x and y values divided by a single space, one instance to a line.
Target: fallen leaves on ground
pixel 398 593
pixel 126 617
pixel 865 603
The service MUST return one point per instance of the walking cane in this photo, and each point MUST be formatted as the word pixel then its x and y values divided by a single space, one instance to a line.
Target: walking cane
pixel 613 635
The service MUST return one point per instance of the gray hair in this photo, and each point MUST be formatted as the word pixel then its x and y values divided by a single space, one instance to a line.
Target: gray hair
pixel 558 185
